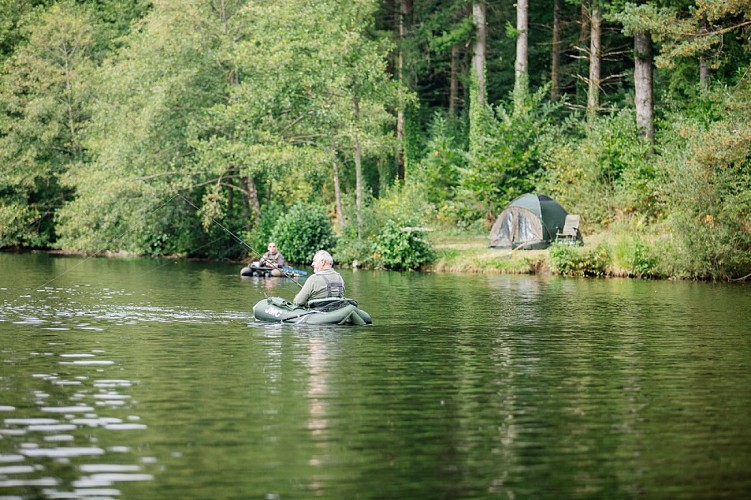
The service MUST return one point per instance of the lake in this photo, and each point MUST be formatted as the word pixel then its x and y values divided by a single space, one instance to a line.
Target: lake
pixel 137 379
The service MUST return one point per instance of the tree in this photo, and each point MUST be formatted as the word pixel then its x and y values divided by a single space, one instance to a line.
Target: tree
pixel 555 51
pixel 635 19
pixel 522 47
pixel 405 11
pixel 478 91
pixel 595 46
pixel 149 95
pixel 478 59
pixel 643 84
pixel 44 92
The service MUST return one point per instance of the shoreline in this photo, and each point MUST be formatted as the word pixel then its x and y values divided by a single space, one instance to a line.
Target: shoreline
pixel 470 254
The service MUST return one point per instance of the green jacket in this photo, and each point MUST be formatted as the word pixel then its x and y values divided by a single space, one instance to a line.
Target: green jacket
pixel 323 284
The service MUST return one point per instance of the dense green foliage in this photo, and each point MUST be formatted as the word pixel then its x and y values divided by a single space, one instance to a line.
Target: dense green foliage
pixel 401 249
pixel 573 261
pixel 167 127
pixel 301 232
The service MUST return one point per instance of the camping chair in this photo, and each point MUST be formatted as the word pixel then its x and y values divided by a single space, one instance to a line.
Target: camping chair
pixel 570 232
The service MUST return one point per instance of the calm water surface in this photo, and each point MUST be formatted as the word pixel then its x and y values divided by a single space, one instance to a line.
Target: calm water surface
pixel 140 379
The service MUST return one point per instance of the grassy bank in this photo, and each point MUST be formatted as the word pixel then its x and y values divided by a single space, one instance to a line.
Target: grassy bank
pixel 612 254
pixel 470 254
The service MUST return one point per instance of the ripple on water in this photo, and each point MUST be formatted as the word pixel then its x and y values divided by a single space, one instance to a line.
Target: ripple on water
pixel 31 421
pixel 88 363
pixel 16 469
pixel 16 483
pixel 109 468
pixel 125 427
pixel 111 396
pixel 103 383
pixel 95 492
pixel 62 452
pixel 59 438
pixel 96 422
pixel 12 432
pixel 66 409
pixel 105 479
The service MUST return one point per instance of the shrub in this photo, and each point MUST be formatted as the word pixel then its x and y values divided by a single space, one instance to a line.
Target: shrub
pixel 642 261
pixel 571 261
pixel 302 231
pixel 400 206
pixel 16 225
pixel 401 249
pixel 564 259
pixel 708 168
pixel 352 249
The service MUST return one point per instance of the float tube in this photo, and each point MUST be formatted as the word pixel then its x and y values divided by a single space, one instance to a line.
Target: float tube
pixel 333 311
pixel 265 272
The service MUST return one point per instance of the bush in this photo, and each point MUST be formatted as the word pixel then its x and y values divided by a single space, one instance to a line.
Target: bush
pixel 632 255
pixel 351 249
pixel 303 231
pixel 17 223
pixel 400 206
pixel 642 261
pixel 708 166
pixel 571 261
pixel 401 249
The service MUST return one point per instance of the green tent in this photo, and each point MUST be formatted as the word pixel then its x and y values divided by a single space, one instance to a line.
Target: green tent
pixel 529 222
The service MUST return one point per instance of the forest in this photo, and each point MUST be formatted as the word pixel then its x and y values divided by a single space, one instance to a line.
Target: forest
pixel 206 128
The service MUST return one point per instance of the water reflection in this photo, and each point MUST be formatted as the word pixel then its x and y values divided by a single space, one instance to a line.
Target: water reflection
pixel 133 380
pixel 317 422
pixel 53 439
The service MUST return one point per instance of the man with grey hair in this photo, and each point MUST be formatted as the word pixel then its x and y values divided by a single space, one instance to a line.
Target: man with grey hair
pixel 325 282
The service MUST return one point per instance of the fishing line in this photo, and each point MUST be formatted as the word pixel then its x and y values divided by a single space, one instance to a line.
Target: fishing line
pixel 222 226
pixel 259 254
pixel 98 252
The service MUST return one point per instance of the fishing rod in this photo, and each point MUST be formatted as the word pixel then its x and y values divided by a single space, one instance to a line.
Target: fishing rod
pixel 285 274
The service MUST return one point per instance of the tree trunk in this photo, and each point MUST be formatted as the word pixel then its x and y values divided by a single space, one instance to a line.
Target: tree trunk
pixel 230 200
pixel 358 169
pixel 643 84
pixel 399 145
pixel 704 77
pixel 246 206
pixel 555 52
pixel 522 51
pixel 584 31
pixel 595 54
pixel 404 10
pixel 337 194
pixel 478 60
pixel 254 204
pixel 454 82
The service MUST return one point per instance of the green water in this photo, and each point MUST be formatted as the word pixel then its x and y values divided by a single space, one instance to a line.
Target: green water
pixel 140 379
